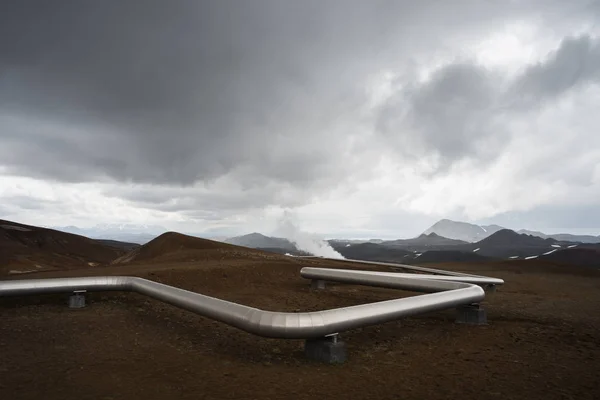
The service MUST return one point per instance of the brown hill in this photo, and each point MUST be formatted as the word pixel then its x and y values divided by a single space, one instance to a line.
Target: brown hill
pixel 176 247
pixel 25 248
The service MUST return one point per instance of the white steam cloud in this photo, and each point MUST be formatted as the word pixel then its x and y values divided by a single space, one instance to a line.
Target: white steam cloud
pixel 304 241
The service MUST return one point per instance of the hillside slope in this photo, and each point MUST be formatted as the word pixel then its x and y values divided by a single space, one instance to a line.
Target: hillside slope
pixel 127 246
pixel 26 248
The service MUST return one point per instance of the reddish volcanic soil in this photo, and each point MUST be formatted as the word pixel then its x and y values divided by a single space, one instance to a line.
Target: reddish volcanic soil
pixel 543 340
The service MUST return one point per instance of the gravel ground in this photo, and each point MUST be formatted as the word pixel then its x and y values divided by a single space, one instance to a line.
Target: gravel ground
pixel 543 341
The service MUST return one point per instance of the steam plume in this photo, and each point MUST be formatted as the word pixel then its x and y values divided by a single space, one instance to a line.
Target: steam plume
pixel 304 241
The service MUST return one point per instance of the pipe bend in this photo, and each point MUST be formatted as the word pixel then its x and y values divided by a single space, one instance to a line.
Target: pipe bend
pixel 441 294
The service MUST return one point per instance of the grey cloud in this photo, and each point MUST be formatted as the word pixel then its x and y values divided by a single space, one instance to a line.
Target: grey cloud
pixel 552 217
pixel 461 111
pixel 192 89
pixel 173 93
pixel 198 215
pixel 219 200
pixel 446 113
pixel 575 63
pixel 28 203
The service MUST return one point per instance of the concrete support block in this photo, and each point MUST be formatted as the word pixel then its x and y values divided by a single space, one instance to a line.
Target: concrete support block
pixel 317 284
pixel 77 299
pixel 472 314
pixel 326 349
pixel 490 288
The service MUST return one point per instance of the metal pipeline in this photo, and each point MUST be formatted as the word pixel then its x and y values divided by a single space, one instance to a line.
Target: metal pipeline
pixel 383 279
pixel 442 292
pixel 395 266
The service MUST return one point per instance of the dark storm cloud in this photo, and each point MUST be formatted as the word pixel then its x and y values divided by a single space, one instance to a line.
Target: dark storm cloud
pixel 191 89
pixel 183 91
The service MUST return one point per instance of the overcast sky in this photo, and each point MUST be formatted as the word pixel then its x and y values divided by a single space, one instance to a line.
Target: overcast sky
pixel 362 118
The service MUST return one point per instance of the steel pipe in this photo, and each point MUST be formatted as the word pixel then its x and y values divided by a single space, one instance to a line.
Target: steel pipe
pixel 383 278
pixel 442 294
pixel 396 266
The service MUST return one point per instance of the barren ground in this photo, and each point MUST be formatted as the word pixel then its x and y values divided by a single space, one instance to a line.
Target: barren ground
pixel 543 341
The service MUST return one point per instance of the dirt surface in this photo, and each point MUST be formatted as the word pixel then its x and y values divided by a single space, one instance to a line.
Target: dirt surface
pixel 543 340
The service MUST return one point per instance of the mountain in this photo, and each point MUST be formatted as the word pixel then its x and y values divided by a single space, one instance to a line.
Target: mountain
pixel 462 230
pixel 507 237
pixel 509 244
pixel 398 254
pixel 532 233
pixel 566 237
pixel 26 248
pixel 173 247
pixel 424 240
pixel 257 240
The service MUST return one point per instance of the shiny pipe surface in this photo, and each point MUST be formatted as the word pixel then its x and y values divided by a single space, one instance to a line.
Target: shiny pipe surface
pixel 396 265
pixel 384 279
pixel 441 294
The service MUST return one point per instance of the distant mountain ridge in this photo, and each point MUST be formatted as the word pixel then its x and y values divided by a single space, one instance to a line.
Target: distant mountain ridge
pixel 445 230
pixel 462 230
pixel 426 239
pixel 507 237
pixel 257 240
pixel 25 249
pixel 567 237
